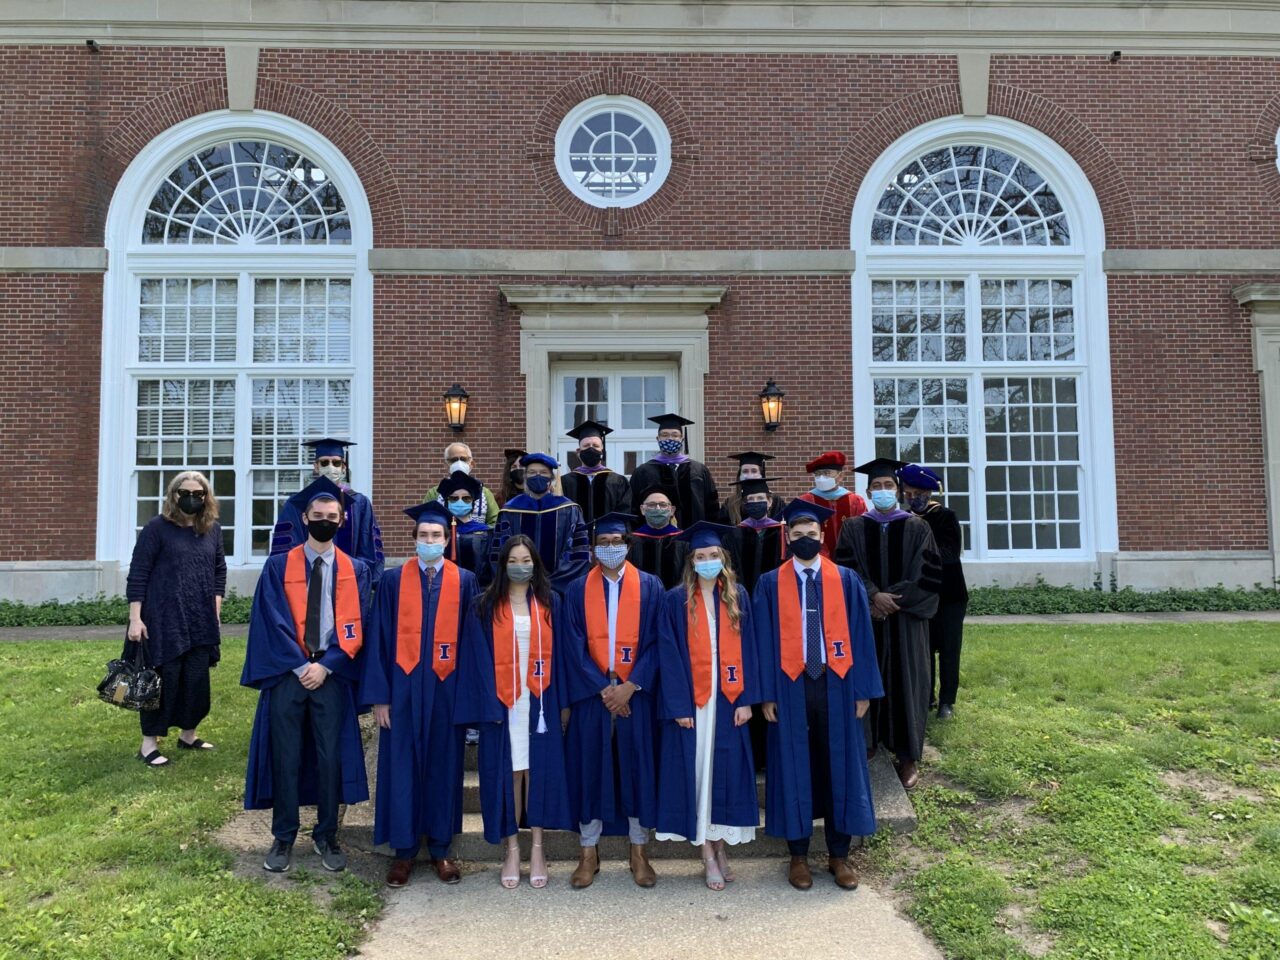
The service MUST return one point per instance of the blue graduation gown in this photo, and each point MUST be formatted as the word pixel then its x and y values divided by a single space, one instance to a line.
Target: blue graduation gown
pixel 420 757
pixel 271 654
pixel 553 523
pixel 734 801
pixel 789 802
pixel 478 706
pixel 607 784
pixel 358 536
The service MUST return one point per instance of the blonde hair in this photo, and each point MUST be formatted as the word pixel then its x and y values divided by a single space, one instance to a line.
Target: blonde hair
pixel 727 581
pixel 200 522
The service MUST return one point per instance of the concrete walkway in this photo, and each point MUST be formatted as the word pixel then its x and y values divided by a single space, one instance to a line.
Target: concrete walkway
pixel 759 915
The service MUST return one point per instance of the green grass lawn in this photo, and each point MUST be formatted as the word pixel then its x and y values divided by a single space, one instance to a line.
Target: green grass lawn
pixel 101 857
pixel 1104 792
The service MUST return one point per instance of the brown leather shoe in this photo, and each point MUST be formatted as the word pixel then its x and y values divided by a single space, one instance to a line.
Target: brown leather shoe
pixel 447 870
pixel 641 869
pixel 588 867
pixel 839 868
pixel 398 875
pixel 908 774
pixel 798 875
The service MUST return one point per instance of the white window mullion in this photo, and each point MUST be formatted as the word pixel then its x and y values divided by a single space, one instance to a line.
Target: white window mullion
pixel 977 464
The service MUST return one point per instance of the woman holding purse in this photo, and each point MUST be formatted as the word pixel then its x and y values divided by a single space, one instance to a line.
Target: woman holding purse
pixel 177 579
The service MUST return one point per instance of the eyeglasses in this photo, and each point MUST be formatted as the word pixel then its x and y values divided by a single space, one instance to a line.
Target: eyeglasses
pixel 330 462
pixel 461 498
pixel 648 505
pixel 194 494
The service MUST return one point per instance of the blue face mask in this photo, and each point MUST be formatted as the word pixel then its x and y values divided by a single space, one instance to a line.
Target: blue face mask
pixel 708 569
pixel 918 504
pixel 671 447
pixel 460 508
pixel 537 483
pixel 430 552
pixel 884 500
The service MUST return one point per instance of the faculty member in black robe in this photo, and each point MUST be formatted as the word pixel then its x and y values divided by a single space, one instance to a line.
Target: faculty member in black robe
pixel 656 547
pixel 694 491
pixel 592 485
pixel 895 555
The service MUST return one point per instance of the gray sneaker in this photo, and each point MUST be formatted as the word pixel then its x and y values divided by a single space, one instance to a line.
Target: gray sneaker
pixel 331 858
pixel 279 857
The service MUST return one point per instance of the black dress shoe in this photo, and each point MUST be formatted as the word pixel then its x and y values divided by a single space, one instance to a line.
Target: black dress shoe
pixel 946 711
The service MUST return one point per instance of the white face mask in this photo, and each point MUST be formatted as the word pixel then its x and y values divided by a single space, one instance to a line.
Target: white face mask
pixel 333 473
pixel 824 483
pixel 459 465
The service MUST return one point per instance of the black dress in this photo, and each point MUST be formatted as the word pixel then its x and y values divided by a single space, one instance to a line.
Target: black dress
pixel 946 628
pixel 175 573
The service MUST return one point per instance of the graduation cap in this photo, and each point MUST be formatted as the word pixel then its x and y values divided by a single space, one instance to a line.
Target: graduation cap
pixel 671 421
pixel 612 523
pixel 831 460
pixel 704 533
pixel 914 475
pixel 460 481
pixel 547 461
pixel 799 510
pixel 881 467
pixel 666 490
pixel 432 512
pixel 328 447
pixel 753 485
pixel 589 428
pixel 513 453
pixel 750 457
pixel 321 488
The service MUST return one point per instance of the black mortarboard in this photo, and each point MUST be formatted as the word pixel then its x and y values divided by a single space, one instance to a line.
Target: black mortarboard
pixel 671 421
pixel 881 467
pixel 753 485
pixel 750 456
pixel 328 447
pixel 589 428
pixel 460 481
pixel 513 453
pixel 665 489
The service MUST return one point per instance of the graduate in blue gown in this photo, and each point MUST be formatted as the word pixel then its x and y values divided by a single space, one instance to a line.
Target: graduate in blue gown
pixel 511 688
pixel 709 676
pixel 468 537
pixel 305 747
pixel 554 523
pixel 410 679
pixel 613 616
pixel 818 663
pixel 359 536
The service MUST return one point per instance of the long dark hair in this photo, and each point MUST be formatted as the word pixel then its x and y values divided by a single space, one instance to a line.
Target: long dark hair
pixel 508 489
pixel 496 593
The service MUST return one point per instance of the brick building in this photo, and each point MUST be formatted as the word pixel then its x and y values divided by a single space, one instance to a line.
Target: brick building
pixel 1033 244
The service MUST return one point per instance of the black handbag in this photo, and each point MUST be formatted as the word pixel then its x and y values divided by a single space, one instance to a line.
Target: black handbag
pixel 129 684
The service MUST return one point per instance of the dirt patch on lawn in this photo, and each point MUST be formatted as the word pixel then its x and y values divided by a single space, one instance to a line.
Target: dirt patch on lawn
pixel 1014 920
pixel 1210 788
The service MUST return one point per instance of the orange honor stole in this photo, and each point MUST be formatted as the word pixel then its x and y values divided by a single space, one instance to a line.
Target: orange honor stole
pixel 730 642
pixel 627 627
pixel 506 654
pixel 346 600
pixel 444 641
pixel 835 624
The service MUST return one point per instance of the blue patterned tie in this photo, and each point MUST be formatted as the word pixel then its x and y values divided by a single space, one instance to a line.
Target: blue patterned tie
pixel 812 628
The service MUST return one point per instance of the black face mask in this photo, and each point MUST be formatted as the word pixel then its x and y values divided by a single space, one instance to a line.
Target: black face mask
pixel 756 509
pixel 806 548
pixel 190 503
pixel 590 457
pixel 517 476
pixel 322 530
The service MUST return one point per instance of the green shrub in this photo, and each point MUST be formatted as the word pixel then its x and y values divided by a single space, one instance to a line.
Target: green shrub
pixel 101 611
pixel 1041 598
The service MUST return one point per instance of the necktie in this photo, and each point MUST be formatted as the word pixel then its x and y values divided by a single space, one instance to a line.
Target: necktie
pixel 431 575
pixel 315 595
pixel 812 628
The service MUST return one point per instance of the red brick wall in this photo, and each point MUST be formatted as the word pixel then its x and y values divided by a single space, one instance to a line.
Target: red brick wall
pixel 50 355
pixel 1188 415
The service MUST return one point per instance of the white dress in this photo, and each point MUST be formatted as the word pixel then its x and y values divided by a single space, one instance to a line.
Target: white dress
pixel 704 724
pixel 518 716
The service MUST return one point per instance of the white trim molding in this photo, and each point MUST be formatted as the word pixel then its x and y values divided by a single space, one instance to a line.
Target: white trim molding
pixel 415 260
pixel 620 322
pixel 1263 302
pixel 53 259
pixel 1185 262
pixel 130 258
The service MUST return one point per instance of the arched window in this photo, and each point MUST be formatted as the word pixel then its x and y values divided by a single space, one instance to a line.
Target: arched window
pixel 237 323
pixel 980 334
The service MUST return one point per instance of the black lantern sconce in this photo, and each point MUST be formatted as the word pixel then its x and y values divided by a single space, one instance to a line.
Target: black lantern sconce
pixel 771 405
pixel 455 408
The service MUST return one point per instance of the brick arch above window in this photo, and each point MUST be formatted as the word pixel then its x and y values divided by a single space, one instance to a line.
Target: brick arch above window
pixel 1263 148
pixel 614 222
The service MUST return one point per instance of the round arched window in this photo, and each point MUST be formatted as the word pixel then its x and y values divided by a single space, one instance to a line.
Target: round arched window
pixel 613 151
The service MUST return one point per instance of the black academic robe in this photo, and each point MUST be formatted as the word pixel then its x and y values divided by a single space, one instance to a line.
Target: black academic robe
pixel 693 490
pixel 597 493
pixel 899 556
pixel 755 551
pixel 659 553
pixel 469 549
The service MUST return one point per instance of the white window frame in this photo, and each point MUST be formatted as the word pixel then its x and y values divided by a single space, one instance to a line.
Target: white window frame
pixel 620 440
pixel 1081 261
pixel 129 260
pixel 640 111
